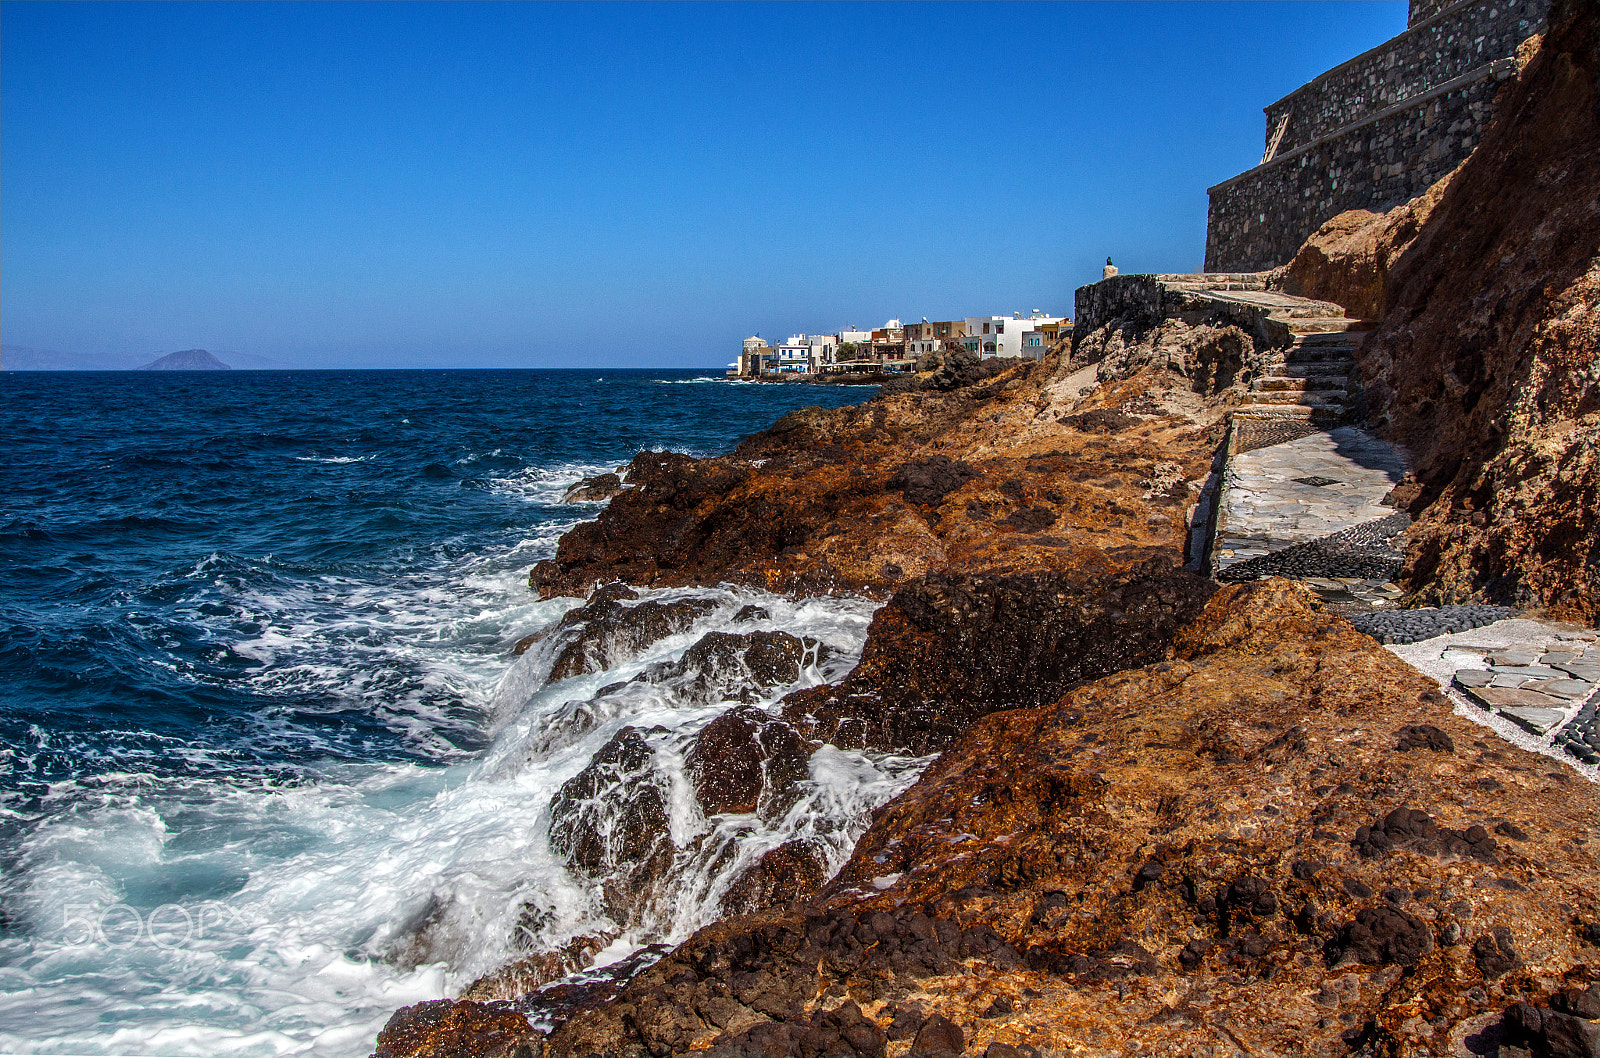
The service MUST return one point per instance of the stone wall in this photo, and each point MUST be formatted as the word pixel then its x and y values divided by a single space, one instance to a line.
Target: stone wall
pixel 1462 38
pixel 1422 10
pixel 1373 132
pixel 1259 219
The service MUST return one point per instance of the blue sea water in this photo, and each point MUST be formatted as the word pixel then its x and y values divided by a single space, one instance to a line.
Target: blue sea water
pixel 256 700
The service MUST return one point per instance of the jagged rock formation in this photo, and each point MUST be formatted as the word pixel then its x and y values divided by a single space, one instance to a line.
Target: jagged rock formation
pixel 594 490
pixel 1017 470
pixel 1280 838
pixel 187 360
pixel 1487 362
pixel 949 650
pixel 606 625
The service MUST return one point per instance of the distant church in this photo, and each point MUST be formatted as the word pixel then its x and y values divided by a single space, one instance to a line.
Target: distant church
pixel 1373 132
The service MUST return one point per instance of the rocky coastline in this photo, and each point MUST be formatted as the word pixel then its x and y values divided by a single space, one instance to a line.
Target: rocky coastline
pixel 1161 815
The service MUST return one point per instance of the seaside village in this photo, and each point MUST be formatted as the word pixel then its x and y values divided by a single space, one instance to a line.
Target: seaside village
pixel 895 347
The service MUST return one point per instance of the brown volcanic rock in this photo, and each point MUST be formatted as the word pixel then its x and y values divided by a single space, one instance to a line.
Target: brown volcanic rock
pixel 1487 362
pixel 1488 365
pixel 950 649
pixel 989 475
pixel 792 871
pixel 1347 260
pixel 441 1028
pixel 1169 860
pixel 611 822
pixel 744 758
pixel 724 665
pixel 599 488
pixel 606 626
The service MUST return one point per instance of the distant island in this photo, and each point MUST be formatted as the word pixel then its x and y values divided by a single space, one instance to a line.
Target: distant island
pixel 187 360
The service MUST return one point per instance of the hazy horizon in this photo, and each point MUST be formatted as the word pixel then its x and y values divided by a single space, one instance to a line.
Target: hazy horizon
pixel 482 185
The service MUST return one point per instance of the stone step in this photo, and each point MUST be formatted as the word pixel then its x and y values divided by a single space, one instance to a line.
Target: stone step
pixel 1269 412
pixel 1318 399
pixel 1323 324
pixel 1309 354
pixel 1340 369
pixel 1330 385
pixel 1351 337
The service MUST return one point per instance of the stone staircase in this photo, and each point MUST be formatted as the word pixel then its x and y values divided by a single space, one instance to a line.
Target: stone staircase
pixel 1310 378
pixel 1305 375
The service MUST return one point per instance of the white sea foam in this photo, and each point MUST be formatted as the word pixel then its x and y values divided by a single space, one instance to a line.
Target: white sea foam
pixel 547 484
pixel 180 916
pixel 334 460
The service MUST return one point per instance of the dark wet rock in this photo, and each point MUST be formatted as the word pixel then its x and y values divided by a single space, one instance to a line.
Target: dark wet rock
pixel 1413 830
pixel 1380 936
pixel 792 871
pixel 752 612
pixel 1250 897
pixel 1149 873
pixel 930 480
pixel 1006 1050
pixel 606 628
pixel 905 1019
pixel 444 1028
pixel 1424 736
pixel 1495 953
pixel 948 650
pixel 533 971
pixel 1031 519
pixel 1194 953
pixel 1100 420
pixel 591 490
pixel 742 758
pixel 1001 1006
pixel 611 820
pixel 554 1004
pixel 734 666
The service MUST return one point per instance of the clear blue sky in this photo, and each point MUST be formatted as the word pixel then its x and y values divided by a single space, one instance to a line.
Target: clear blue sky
pixel 542 185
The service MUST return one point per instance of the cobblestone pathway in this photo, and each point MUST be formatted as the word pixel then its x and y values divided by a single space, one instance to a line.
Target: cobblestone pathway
pixel 1311 508
pixel 1535 682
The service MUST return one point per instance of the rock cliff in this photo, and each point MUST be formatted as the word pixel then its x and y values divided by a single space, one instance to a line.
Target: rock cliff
pixel 1277 840
pixel 1487 362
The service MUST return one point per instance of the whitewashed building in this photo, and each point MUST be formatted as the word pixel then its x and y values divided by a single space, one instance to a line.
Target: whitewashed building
pixel 1008 335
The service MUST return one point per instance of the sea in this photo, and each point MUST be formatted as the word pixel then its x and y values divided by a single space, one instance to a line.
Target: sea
pixel 260 715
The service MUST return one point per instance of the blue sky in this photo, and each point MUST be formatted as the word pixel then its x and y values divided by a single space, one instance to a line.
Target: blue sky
pixel 545 185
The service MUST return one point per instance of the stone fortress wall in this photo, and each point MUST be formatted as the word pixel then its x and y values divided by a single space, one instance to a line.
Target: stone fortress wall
pixel 1371 133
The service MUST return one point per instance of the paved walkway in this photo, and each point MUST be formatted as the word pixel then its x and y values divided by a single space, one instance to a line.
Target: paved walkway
pixel 1533 682
pixel 1302 492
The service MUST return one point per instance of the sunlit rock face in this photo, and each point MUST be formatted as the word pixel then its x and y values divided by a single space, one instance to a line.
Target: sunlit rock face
pixel 1281 829
pixel 1486 365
